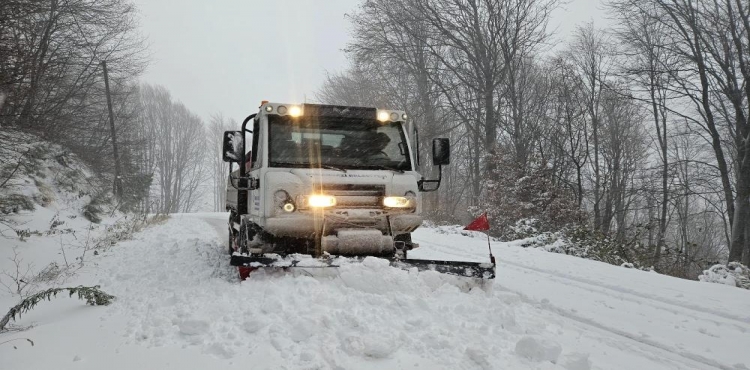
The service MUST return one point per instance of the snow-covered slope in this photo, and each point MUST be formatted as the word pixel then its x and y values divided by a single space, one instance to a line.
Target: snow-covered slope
pixel 47 205
pixel 180 306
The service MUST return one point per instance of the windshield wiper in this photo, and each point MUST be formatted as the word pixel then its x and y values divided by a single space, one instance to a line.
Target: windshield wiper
pixel 329 167
pixel 336 168
pixel 289 164
pixel 306 165
pixel 381 167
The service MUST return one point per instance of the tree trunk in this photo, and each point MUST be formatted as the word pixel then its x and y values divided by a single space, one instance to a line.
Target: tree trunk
pixel 597 174
pixel 746 258
pixel 489 119
pixel 741 211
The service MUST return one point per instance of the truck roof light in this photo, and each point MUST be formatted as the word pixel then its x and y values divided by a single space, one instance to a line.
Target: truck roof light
pixel 403 116
pixel 295 111
pixel 394 116
pixel 281 109
pixel 269 108
pixel 383 115
pixel 263 102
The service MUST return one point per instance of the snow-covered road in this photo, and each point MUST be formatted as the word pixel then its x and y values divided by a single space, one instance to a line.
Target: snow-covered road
pixel 180 306
pixel 677 322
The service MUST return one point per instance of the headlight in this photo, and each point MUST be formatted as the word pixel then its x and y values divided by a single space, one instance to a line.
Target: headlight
pixel 383 116
pixel 318 201
pixel 295 111
pixel 398 202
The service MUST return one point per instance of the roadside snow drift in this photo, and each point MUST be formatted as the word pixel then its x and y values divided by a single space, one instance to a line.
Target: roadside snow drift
pixel 180 306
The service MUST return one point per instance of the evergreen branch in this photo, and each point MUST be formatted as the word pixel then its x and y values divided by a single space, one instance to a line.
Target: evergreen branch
pixel 92 295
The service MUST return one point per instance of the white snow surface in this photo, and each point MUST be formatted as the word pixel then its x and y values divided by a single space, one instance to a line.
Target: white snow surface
pixel 181 306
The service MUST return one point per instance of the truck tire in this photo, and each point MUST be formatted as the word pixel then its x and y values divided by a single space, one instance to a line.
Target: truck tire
pixel 232 235
pixel 244 236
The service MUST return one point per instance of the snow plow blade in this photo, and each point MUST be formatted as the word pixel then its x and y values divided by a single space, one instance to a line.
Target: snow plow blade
pixel 479 270
pixel 468 269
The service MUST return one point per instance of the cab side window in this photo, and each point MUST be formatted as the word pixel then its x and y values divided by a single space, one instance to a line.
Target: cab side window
pixel 256 147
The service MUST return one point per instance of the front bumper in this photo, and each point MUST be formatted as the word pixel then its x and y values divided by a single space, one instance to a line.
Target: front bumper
pixel 326 222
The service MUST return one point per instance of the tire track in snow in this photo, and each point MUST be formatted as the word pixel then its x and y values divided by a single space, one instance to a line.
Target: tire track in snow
pixel 651 300
pixel 657 348
pixel 662 348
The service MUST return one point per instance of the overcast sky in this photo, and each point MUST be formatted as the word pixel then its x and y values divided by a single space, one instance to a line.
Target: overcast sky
pixel 226 56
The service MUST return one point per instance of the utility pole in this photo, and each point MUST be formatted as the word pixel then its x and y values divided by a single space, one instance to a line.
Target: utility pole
pixel 118 181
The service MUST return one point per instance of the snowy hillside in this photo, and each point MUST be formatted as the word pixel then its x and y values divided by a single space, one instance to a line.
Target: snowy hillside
pixel 53 213
pixel 180 306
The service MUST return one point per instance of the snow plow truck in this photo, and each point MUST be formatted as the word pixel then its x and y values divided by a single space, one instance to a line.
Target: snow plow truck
pixel 316 184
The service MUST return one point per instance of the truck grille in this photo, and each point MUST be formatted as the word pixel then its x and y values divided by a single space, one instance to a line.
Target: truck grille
pixel 356 196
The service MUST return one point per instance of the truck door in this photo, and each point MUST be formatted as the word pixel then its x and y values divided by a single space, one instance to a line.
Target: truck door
pixel 256 158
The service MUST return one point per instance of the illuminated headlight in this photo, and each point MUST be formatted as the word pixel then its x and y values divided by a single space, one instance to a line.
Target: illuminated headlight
pixel 288 207
pixel 398 202
pixel 318 201
pixel 404 116
pixel 295 111
pixel 383 116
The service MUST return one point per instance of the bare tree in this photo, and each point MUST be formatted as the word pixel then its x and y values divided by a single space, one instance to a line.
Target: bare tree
pixel 591 54
pixel 710 39
pixel 648 64
pixel 179 147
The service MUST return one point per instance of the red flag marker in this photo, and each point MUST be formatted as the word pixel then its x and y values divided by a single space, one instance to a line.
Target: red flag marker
pixel 479 224
pixel 482 224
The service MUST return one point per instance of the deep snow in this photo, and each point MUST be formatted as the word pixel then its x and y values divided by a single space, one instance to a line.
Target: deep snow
pixel 180 306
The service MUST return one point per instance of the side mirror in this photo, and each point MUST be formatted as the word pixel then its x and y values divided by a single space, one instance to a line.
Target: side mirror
pixel 232 146
pixel 441 151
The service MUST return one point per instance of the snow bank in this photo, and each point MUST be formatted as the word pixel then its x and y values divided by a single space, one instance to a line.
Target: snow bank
pixel 733 274
pixel 46 208
pixel 37 174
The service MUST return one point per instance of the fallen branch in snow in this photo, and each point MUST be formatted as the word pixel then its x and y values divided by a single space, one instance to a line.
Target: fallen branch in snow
pixel 92 295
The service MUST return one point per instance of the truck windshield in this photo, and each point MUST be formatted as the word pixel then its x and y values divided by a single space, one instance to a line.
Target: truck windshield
pixel 337 144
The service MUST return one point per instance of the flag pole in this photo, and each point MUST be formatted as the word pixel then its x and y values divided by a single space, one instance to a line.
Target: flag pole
pixel 492 258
